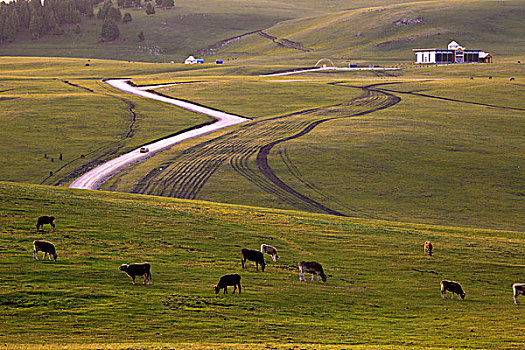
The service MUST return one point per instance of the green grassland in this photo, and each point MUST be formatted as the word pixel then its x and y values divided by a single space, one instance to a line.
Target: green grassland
pixel 303 31
pixel 423 153
pixel 382 291
pixel 426 145
pixel 450 152
pixel 52 107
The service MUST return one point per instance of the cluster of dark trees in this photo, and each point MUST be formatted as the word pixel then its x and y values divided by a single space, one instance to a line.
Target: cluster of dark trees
pixel 40 18
pixel 49 16
pixel 109 14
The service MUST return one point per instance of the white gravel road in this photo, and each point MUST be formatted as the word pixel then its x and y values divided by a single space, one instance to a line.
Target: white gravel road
pixel 93 179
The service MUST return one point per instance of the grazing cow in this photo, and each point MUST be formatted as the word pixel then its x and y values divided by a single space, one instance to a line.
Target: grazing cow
pixel 252 255
pixel 518 288
pixel 313 268
pixel 511 79
pixel 46 247
pixel 233 279
pixel 268 249
pixel 453 287
pixel 44 219
pixel 428 248
pixel 142 269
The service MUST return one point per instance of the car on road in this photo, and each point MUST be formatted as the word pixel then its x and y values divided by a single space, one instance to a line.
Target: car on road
pixel 144 150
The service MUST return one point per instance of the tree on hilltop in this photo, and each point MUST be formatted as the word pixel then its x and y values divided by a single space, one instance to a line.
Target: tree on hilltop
pixel 36 25
pixel 114 14
pixel 127 18
pixel 168 3
pixel 150 9
pixel 110 31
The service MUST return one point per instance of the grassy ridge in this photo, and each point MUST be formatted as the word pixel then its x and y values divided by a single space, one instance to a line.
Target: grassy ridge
pixel 83 299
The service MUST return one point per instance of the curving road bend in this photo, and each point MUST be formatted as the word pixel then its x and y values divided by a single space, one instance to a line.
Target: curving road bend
pixel 93 179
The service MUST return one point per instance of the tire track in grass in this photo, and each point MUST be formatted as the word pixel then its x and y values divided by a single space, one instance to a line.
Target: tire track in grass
pixel 247 148
pixel 451 99
pixel 287 161
pixel 371 94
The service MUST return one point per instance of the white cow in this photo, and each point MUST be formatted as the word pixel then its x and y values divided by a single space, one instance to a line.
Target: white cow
pixel 518 288
pixel 268 249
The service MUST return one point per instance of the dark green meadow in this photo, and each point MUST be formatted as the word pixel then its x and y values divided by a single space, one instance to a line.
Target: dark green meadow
pixel 382 291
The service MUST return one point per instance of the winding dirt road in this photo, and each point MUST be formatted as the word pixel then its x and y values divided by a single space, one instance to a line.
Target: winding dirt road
pixel 93 179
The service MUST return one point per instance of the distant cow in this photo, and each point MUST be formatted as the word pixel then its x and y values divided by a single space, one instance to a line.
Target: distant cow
pixel 518 288
pixel 313 268
pixel 453 287
pixel 233 279
pixel 252 255
pixel 428 248
pixel 511 79
pixel 46 247
pixel 142 269
pixel 268 249
pixel 45 220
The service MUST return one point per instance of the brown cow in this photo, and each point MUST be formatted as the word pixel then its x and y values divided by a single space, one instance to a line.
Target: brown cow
pixel 428 248
pixel 313 268
pixel 46 247
pixel 453 287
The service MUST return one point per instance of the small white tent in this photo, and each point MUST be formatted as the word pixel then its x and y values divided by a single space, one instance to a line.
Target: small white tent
pixel 190 60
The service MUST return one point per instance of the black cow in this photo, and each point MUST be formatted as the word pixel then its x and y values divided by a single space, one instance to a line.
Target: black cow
pixel 142 269
pixel 232 279
pixel 44 219
pixel 252 255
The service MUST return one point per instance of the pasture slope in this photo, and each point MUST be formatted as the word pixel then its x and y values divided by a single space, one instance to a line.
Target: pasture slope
pixel 381 292
pixel 290 30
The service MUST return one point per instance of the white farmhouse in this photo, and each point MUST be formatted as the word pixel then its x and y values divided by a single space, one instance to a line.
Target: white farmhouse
pixel 455 53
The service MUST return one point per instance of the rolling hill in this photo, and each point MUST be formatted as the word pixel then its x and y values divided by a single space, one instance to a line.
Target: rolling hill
pixel 378 32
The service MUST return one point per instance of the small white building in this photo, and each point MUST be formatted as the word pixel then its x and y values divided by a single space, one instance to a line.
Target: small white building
pixel 454 53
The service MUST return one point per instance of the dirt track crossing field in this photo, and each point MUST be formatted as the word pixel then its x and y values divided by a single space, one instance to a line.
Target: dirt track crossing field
pixel 247 148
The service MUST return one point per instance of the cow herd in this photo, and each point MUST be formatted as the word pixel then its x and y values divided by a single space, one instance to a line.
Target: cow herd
pixel 234 279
